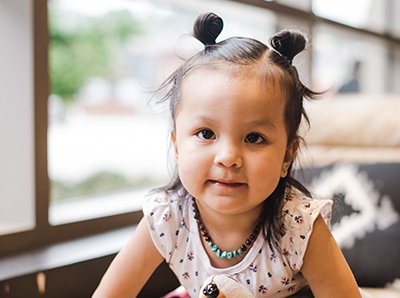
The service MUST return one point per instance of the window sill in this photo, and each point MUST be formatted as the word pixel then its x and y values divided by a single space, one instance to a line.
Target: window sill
pixel 64 254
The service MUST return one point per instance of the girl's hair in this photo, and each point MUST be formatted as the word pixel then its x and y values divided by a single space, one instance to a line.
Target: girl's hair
pixel 275 63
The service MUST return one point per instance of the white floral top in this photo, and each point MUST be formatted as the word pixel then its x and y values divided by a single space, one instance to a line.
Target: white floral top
pixel 264 272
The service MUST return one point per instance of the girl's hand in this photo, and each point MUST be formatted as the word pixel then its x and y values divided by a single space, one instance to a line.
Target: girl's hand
pixel 132 267
pixel 325 267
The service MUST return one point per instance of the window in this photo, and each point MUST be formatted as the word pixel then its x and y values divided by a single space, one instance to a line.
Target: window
pixel 365 14
pixel 349 62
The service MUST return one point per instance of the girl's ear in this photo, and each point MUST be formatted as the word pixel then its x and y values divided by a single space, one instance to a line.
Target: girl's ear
pixel 173 137
pixel 289 156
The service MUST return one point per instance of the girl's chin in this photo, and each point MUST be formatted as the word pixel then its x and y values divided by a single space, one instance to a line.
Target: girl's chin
pixel 225 205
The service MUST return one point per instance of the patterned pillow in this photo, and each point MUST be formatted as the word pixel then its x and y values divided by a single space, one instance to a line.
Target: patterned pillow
pixel 365 217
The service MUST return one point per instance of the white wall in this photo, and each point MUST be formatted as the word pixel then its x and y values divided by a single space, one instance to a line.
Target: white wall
pixel 17 189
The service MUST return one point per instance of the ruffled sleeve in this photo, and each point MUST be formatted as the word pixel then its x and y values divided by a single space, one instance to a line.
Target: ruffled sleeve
pixel 164 218
pixel 300 214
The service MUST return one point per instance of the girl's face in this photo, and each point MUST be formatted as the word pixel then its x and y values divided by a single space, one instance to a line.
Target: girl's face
pixel 230 140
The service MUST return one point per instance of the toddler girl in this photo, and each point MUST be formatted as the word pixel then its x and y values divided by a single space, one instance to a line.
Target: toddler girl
pixel 234 207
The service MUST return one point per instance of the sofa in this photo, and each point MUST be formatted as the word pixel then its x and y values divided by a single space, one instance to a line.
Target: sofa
pixel 351 154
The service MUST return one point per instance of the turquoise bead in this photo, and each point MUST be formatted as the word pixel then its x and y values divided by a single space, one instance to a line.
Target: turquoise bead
pixel 229 255
pixel 235 254
pixel 223 255
pixel 210 244
pixel 214 248
pixel 240 251
pixel 218 253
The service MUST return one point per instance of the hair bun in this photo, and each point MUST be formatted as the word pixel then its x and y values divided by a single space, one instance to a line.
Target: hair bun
pixel 288 43
pixel 207 28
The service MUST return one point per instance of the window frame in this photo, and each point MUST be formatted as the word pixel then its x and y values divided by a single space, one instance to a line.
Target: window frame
pixel 44 233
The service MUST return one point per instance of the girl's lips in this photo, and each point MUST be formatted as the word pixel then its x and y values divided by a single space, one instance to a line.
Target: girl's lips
pixel 226 183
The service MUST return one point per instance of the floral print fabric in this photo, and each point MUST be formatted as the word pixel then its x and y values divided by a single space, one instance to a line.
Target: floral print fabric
pixel 265 272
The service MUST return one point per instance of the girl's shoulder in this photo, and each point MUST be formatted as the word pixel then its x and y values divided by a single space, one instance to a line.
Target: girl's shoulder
pixel 300 213
pixel 165 205
pixel 299 208
pixel 165 213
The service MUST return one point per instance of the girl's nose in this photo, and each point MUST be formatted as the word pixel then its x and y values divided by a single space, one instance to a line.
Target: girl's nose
pixel 228 155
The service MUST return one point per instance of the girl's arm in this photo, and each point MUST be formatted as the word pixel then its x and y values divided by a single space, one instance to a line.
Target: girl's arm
pixel 325 267
pixel 132 267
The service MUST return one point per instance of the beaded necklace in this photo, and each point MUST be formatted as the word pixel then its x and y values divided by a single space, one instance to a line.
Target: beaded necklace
pixel 214 247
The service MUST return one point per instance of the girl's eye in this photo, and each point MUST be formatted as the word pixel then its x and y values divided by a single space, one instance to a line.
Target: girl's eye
pixel 206 134
pixel 254 138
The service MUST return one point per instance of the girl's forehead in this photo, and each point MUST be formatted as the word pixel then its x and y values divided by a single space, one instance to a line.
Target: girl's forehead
pixel 239 93
pixel 240 77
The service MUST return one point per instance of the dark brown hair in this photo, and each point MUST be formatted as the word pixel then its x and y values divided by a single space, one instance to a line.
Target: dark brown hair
pixel 275 62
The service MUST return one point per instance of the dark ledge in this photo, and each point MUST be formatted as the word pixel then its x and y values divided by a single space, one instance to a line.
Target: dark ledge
pixel 73 269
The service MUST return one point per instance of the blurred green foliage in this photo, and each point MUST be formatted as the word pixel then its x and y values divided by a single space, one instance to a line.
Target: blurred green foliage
pixel 84 46
pixel 98 183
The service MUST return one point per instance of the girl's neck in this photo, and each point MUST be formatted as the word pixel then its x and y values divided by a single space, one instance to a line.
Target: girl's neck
pixel 228 223
pixel 228 233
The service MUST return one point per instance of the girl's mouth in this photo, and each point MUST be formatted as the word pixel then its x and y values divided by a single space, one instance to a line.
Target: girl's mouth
pixel 226 183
